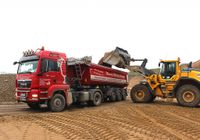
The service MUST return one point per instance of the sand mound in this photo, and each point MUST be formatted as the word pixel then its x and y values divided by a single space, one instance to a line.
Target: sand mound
pixel 7 87
pixel 133 81
pixel 196 64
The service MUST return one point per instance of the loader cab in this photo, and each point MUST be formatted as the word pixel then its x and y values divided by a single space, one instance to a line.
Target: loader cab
pixel 168 68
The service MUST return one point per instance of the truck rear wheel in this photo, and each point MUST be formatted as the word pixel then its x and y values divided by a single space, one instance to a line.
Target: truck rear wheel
pixel 188 95
pixel 118 95
pixel 113 97
pixel 34 106
pixel 57 103
pixel 97 99
pixel 124 94
pixel 141 94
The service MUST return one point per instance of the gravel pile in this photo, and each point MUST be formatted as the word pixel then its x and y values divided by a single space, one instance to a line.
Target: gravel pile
pixel 196 64
pixel 7 87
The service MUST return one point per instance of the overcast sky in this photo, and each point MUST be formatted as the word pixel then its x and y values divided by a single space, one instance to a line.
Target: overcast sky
pixel 152 29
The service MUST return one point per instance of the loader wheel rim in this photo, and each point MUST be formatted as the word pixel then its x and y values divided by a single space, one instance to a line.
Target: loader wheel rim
pixel 140 94
pixel 188 96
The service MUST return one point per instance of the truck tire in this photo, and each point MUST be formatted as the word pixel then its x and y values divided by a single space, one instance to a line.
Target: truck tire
pixel 57 103
pixel 141 94
pixel 34 106
pixel 188 95
pixel 118 95
pixel 124 94
pixel 113 97
pixel 97 99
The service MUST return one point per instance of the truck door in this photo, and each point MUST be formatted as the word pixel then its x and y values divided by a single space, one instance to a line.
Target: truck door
pixel 50 74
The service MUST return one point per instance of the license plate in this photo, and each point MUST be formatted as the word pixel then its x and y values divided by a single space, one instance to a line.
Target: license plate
pixel 23 96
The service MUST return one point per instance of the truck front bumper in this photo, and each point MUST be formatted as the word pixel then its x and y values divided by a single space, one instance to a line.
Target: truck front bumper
pixel 27 95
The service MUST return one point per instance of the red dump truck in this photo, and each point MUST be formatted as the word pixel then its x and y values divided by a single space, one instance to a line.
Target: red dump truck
pixel 47 77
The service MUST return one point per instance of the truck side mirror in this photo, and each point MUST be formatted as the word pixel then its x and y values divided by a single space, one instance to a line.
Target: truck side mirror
pixel 159 64
pixel 14 63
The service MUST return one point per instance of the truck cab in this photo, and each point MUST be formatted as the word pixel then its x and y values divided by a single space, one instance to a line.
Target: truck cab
pixel 40 76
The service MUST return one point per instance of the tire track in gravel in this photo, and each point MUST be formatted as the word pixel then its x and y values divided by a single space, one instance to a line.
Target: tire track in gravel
pixel 184 124
pixel 147 127
pixel 179 127
pixel 88 123
pixel 25 132
pixel 3 135
pixel 83 126
pixel 57 127
pixel 159 125
pixel 190 114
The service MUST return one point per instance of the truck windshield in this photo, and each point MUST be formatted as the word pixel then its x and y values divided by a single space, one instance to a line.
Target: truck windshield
pixel 27 66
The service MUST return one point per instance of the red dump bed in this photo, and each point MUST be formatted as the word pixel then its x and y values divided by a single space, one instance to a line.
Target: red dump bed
pixel 93 74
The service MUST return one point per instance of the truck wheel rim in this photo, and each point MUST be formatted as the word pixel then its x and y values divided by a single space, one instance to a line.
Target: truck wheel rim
pixel 57 102
pixel 188 96
pixel 97 98
pixel 140 94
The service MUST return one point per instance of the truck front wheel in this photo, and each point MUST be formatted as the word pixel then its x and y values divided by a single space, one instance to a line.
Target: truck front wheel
pixel 141 94
pixel 188 95
pixel 57 103
pixel 34 106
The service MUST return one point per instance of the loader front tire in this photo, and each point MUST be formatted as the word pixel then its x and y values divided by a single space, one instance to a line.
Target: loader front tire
pixel 141 94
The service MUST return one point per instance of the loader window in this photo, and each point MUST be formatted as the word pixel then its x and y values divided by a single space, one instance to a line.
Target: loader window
pixel 168 70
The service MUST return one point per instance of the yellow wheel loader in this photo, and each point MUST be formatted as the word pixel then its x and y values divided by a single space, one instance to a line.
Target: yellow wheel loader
pixel 171 82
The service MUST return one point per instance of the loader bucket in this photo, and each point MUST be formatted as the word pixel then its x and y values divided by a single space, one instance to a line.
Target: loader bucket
pixel 119 58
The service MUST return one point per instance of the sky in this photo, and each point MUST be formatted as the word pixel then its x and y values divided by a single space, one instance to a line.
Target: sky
pixel 152 29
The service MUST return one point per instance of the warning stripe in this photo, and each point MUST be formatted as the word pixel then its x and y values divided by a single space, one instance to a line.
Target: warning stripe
pixel 107 79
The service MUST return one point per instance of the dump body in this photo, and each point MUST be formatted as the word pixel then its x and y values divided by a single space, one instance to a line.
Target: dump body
pixel 93 74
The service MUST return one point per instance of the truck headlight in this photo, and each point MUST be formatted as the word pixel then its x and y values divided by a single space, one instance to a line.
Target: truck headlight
pixel 34 95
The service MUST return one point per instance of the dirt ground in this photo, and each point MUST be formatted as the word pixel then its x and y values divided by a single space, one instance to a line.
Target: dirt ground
pixel 110 121
pixel 120 120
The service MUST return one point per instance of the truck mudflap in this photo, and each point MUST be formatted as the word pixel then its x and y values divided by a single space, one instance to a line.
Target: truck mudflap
pixel 69 98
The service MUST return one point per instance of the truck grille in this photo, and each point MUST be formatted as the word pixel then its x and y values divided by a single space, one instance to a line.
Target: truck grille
pixel 24 83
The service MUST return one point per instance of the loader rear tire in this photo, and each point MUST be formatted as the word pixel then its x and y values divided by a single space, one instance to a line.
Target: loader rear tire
pixel 141 94
pixel 188 95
